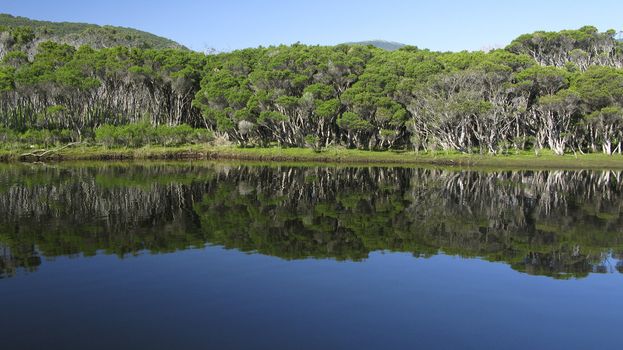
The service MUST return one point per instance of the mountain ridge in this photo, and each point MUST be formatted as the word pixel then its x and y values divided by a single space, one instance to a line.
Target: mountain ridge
pixel 381 44
pixel 78 34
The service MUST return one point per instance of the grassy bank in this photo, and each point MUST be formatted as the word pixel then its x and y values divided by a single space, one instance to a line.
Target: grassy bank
pixel 337 155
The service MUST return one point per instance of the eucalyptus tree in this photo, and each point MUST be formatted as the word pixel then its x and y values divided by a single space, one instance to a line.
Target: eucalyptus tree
pixel 288 95
pixel 584 47
pixel 556 117
pixel 605 127
pixel 601 93
pixel 375 119
pixel 79 89
pixel 474 103
pixel 541 86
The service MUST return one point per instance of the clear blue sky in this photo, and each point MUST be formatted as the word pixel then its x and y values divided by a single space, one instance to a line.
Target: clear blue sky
pixel 232 24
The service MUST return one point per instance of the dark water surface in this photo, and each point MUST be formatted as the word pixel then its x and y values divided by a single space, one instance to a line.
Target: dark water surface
pixel 226 256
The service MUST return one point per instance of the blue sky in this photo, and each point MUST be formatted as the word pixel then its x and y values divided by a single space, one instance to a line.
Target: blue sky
pixel 232 24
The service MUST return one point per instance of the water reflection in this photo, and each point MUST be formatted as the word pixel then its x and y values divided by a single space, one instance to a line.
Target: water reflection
pixel 554 223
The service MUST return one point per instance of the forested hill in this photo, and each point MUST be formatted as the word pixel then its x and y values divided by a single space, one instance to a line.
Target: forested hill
pixel 557 90
pixel 381 44
pixel 77 34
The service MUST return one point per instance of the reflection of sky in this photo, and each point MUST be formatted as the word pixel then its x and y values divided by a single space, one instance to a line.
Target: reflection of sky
pixel 217 298
pixel 610 264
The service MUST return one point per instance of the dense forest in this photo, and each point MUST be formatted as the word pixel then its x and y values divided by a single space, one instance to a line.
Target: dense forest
pixel 555 223
pixel 561 91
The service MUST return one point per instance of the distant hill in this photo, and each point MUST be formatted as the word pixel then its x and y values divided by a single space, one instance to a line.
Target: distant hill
pixel 31 32
pixel 381 44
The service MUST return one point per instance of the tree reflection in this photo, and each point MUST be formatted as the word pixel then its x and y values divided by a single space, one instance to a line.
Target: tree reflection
pixel 555 223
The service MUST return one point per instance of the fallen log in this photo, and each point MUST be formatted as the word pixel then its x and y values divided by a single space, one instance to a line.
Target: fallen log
pixel 39 154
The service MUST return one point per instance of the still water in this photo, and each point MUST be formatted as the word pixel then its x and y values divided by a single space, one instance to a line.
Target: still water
pixel 230 256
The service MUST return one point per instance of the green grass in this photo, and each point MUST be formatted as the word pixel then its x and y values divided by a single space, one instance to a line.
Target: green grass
pixel 334 155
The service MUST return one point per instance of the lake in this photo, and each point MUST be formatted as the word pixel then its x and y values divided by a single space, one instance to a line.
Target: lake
pixel 231 256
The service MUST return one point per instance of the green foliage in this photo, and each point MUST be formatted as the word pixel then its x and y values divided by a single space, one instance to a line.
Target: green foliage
pixel 24 30
pixel 34 138
pixel 7 136
pixel 313 141
pixel 6 78
pixel 600 87
pixel 352 122
pixel 544 80
pixel 328 109
pixel 143 134
pixel 15 59
pixel 46 138
pixel 22 35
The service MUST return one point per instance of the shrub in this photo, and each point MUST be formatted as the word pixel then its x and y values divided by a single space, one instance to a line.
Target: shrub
pixel 106 134
pixel 142 134
pixel 44 137
pixel 7 135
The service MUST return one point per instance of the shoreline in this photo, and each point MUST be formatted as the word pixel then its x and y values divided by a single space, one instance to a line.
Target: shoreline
pixel 339 156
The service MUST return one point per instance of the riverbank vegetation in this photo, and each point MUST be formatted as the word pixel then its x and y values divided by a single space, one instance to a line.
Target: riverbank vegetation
pixel 558 92
pixel 308 156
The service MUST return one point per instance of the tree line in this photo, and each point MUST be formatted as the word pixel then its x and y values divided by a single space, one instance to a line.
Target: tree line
pixel 561 91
